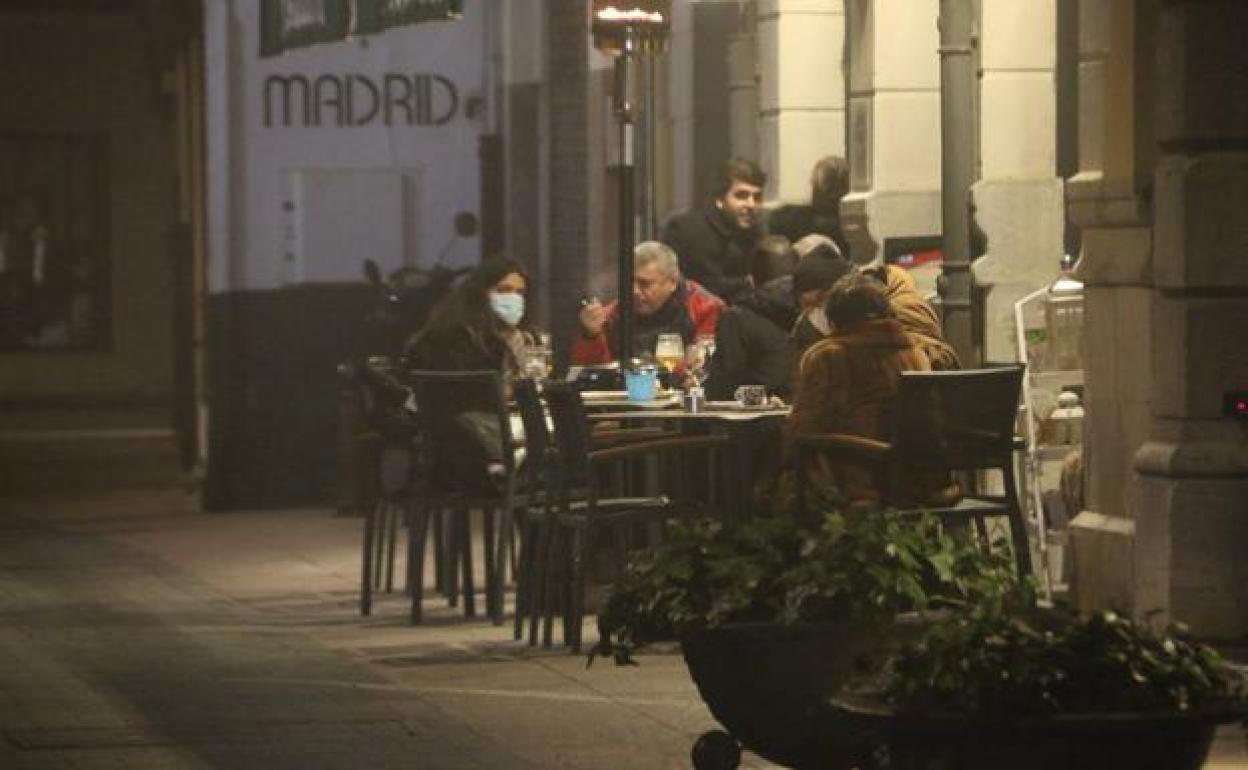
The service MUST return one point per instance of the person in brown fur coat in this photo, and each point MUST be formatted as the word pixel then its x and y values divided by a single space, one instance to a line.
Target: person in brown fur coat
pixel 848 383
pixel 916 315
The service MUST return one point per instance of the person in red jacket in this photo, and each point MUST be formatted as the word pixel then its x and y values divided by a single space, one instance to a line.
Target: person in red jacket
pixel 663 302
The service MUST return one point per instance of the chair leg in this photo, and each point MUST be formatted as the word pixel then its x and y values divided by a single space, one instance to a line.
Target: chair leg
pixel 418 526
pixel 488 548
pixel 452 524
pixel 1018 527
pixel 439 552
pixel 463 519
pixel 392 538
pixel 524 571
pixel 576 605
pixel 536 599
pixel 550 579
pixel 380 511
pixel 366 568
pixel 505 532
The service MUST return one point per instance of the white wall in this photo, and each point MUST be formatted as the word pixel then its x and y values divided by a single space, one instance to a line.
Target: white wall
pixel 254 169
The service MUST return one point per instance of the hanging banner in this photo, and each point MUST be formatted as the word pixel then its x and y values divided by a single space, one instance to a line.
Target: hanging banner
pixel 287 24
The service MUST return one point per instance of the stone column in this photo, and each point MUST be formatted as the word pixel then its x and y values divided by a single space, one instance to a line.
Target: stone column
pixel 1018 197
pixel 575 122
pixel 698 112
pixel 522 122
pixel 894 123
pixel 801 90
pixel 1191 484
pixel 1107 199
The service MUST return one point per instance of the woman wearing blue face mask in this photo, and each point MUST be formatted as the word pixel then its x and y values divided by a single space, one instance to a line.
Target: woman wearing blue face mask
pixel 482 324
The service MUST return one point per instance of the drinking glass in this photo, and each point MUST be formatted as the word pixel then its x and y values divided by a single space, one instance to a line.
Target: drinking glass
pixel 700 358
pixel 669 351
pixel 535 363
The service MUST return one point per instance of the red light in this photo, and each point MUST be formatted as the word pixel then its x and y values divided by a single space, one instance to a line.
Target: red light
pixel 1242 407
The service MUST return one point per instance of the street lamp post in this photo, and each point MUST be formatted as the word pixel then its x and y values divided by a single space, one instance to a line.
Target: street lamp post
pixel 957 112
pixel 627 30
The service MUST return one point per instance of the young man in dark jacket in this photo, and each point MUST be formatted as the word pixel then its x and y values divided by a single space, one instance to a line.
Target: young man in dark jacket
pixel 714 241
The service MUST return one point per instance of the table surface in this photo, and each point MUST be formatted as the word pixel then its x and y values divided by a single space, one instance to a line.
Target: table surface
pixel 709 412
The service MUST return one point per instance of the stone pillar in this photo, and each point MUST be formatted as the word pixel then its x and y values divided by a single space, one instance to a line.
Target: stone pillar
pixel 699 113
pixel 894 123
pixel 801 90
pixel 522 123
pixel 1191 484
pixel 575 116
pixel 1018 197
pixel 1106 198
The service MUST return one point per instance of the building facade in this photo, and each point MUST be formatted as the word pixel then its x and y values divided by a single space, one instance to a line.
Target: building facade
pixel 1099 129
pixel 318 158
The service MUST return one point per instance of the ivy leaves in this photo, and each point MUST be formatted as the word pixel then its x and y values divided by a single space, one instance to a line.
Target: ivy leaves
pixel 857 565
pixel 999 660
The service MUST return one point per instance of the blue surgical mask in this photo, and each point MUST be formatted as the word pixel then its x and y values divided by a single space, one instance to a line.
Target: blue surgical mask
pixel 508 307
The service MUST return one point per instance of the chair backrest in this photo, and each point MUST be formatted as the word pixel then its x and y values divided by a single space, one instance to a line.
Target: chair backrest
pixel 957 420
pixel 371 399
pixel 572 432
pixel 529 401
pixel 537 441
pixel 465 421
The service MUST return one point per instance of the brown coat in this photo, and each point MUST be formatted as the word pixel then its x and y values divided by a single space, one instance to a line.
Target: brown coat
pixel 918 318
pixel 847 383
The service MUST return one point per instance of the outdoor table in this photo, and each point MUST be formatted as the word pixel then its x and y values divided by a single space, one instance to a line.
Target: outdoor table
pixel 736 421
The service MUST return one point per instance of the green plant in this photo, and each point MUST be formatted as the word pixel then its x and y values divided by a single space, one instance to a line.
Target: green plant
pixel 1000 660
pixel 864 566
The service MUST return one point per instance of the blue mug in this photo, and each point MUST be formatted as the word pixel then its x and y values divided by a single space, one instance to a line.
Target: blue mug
pixel 641 385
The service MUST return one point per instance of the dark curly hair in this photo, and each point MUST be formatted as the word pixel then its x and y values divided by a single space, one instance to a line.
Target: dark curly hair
pixel 855 298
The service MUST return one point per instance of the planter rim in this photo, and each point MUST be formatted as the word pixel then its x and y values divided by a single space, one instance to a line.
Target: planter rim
pixel 871 708
pixel 912 616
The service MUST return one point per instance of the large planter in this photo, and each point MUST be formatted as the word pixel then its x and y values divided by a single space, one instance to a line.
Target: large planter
pixel 768 683
pixel 1148 741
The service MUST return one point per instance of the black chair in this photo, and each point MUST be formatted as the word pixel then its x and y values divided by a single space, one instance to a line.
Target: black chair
pixel 537 477
pixel 383 450
pixel 580 507
pixel 457 476
pixel 952 421
pixel 536 515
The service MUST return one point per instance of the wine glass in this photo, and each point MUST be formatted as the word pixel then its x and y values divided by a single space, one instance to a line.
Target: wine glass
pixel 669 351
pixel 535 363
pixel 700 358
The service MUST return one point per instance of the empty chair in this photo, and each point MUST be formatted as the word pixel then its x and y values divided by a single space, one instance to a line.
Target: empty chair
pixel 581 508
pixel 383 449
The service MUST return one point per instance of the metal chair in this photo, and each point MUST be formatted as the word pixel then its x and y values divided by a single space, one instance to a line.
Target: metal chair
pixel 454 478
pixel 943 422
pixel 580 507
pixel 383 449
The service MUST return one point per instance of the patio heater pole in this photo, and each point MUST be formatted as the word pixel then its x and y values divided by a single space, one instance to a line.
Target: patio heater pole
pixel 638 29
pixel 625 64
pixel 957 170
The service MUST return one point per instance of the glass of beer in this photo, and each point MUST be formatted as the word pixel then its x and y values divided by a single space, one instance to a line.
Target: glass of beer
pixel 669 351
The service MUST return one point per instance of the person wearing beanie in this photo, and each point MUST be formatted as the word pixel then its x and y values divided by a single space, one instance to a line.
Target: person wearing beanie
pixel 916 315
pixel 752 339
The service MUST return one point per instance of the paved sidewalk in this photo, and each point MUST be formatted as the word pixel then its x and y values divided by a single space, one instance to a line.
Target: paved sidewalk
pixel 133 639
pixel 136 634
